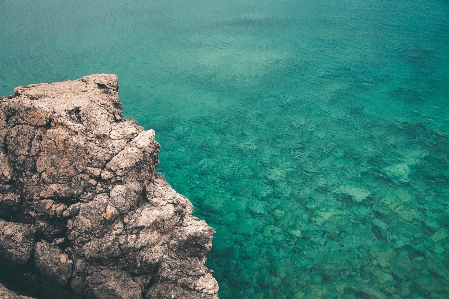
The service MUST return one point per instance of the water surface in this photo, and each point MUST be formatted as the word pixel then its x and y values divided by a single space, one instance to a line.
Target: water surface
pixel 312 135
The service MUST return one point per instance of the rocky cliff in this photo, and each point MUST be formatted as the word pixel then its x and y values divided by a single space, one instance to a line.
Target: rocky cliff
pixel 83 212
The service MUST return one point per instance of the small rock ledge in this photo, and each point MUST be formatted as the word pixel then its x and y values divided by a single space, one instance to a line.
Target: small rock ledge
pixel 83 212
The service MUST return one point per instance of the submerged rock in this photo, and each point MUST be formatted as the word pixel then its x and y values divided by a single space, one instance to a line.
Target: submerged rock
pixel 83 212
pixel 357 194
pixel 398 172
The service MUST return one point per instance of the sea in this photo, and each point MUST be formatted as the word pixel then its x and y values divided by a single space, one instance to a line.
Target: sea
pixel 313 136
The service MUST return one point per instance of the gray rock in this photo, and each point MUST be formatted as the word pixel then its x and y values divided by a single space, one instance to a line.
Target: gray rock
pixel 54 267
pixel 16 242
pixel 7 294
pixel 9 205
pixel 79 189
pixel 113 284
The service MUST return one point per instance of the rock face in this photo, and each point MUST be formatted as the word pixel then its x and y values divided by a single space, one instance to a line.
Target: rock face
pixel 7 294
pixel 83 212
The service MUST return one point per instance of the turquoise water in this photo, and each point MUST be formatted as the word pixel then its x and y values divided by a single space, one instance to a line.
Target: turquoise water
pixel 312 135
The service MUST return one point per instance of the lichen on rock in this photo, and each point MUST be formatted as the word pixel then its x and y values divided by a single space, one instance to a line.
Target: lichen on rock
pixel 83 212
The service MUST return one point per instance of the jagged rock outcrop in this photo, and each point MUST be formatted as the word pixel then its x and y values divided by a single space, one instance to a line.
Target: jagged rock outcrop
pixel 8 294
pixel 83 212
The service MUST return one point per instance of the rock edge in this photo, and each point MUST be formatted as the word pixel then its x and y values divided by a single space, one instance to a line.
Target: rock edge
pixel 83 212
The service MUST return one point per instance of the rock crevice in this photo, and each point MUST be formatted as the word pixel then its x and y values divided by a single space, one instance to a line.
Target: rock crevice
pixel 83 212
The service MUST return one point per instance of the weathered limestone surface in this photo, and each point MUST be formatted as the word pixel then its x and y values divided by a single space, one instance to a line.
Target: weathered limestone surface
pixel 83 212
pixel 7 294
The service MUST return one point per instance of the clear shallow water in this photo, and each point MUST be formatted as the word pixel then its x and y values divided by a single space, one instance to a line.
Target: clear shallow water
pixel 314 137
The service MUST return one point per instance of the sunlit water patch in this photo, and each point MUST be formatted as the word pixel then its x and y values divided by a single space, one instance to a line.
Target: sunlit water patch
pixel 312 136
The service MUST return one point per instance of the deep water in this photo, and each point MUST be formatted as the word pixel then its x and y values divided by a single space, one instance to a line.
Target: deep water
pixel 312 135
